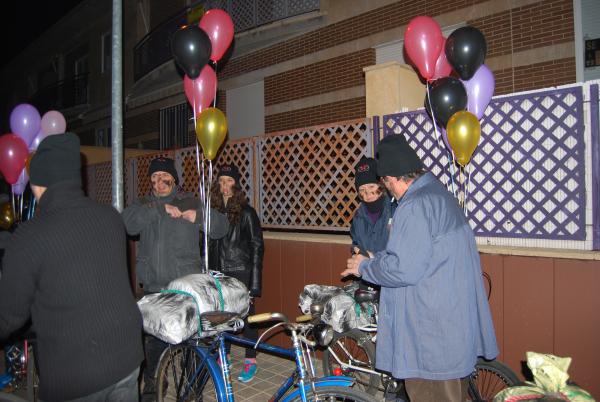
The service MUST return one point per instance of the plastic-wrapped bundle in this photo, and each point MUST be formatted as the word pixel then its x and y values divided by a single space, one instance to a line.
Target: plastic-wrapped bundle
pixel 339 308
pixel 173 314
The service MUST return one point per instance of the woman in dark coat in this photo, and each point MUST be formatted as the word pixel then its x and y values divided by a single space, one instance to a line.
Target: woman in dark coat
pixel 240 253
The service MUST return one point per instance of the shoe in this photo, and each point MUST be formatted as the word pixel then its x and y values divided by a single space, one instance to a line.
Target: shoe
pixel 248 372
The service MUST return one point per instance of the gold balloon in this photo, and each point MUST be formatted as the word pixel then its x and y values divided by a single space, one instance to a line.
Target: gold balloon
pixel 28 161
pixel 7 218
pixel 463 132
pixel 211 129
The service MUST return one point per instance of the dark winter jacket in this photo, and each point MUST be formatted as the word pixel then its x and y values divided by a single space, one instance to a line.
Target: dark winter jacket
pixel 368 235
pixel 67 269
pixel 240 253
pixel 169 248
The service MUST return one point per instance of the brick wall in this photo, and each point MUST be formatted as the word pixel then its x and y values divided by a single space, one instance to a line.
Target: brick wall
pixel 534 76
pixel 336 111
pixel 336 73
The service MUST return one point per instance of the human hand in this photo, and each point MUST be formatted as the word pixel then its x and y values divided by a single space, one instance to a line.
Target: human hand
pixel 172 211
pixel 189 215
pixel 352 265
pixel 366 253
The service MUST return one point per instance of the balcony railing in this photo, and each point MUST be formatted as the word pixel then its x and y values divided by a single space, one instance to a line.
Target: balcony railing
pixel 63 94
pixel 154 49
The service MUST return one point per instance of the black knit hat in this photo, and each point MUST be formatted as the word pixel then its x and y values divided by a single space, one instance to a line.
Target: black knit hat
pixel 396 158
pixel 365 172
pixel 162 164
pixel 57 159
pixel 229 170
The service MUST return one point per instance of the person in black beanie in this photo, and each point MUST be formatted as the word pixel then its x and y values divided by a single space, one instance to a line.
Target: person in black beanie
pixel 238 254
pixel 168 222
pixel 434 317
pixel 66 268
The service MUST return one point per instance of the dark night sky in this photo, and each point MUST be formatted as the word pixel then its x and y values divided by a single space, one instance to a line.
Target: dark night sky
pixel 24 21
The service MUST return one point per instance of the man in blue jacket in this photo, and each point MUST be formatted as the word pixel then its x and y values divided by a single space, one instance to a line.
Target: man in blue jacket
pixel 434 316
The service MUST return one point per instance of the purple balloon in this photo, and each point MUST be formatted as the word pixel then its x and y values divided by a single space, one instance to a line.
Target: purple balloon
pixel 19 187
pixel 25 122
pixel 480 89
pixel 445 138
pixel 36 141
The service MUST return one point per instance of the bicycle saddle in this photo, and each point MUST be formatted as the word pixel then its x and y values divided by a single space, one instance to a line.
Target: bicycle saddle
pixel 218 317
pixel 366 295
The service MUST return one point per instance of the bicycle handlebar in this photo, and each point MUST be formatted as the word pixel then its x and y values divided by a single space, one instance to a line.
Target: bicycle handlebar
pixel 267 317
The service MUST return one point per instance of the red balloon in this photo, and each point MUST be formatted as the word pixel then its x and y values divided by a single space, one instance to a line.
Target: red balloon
pixel 201 91
pixel 423 41
pixel 219 27
pixel 13 155
pixel 442 67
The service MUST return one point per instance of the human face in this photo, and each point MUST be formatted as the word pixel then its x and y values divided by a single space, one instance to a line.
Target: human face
pixel 395 186
pixel 162 183
pixel 369 192
pixel 226 184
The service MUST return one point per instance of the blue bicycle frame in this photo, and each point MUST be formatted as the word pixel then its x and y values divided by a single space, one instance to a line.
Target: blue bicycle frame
pixel 224 390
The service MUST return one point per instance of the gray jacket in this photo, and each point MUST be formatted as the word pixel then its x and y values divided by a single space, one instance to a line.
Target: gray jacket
pixel 169 247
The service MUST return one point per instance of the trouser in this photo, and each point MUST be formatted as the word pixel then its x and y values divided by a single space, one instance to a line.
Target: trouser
pixel 125 390
pixel 250 332
pixel 153 348
pixel 420 390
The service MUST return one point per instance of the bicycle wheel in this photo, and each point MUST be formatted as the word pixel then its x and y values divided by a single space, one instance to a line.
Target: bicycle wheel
pixel 353 347
pixel 489 378
pixel 182 377
pixel 32 377
pixel 336 394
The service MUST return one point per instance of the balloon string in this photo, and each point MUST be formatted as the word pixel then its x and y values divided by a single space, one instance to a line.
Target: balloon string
pixel 467 190
pixel 449 155
pixel 21 207
pixel 207 217
pixel 14 209
pixel 215 98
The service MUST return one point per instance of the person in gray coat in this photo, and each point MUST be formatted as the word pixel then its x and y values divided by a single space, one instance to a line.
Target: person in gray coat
pixel 169 223
pixel 434 316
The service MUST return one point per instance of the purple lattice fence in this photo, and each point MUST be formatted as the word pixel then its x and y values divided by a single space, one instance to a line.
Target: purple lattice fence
pixel 528 173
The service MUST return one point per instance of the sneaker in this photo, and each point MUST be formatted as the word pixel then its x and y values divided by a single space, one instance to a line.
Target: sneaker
pixel 248 372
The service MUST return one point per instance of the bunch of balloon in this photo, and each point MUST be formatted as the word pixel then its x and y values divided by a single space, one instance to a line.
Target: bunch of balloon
pixel 16 149
pixel 459 89
pixel 193 48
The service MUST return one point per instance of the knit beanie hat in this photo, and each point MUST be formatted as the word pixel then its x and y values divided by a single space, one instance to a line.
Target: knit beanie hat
pixel 365 172
pixel 229 170
pixel 162 164
pixel 57 159
pixel 396 158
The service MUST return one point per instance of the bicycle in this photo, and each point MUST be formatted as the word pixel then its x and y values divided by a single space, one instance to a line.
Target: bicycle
pixel 191 371
pixel 352 353
pixel 21 373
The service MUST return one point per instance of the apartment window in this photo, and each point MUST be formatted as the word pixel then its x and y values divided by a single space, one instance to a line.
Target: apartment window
pixel 103 137
pixel 106 47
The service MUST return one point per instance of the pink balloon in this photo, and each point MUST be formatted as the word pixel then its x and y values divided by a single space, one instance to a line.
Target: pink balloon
pixel 442 67
pixel 201 91
pixel 219 27
pixel 13 155
pixel 53 122
pixel 423 41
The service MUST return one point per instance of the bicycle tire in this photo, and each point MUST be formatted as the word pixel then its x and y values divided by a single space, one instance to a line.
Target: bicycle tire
pixel 489 378
pixel 175 380
pixel 357 346
pixel 341 394
pixel 32 377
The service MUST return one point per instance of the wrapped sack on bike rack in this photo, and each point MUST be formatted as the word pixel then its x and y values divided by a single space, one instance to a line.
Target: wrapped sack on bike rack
pixel 173 314
pixel 339 308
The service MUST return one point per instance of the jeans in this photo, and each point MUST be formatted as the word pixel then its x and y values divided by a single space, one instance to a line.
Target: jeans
pixel 154 348
pixel 250 332
pixel 125 390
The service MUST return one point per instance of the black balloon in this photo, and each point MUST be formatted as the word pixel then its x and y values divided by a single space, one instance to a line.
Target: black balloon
pixel 465 50
pixel 447 96
pixel 191 49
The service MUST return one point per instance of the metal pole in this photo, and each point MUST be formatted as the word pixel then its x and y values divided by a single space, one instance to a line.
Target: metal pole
pixel 117 105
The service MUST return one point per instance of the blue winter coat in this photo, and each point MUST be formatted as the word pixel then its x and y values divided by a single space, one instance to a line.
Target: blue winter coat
pixel 434 315
pixel 368 235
